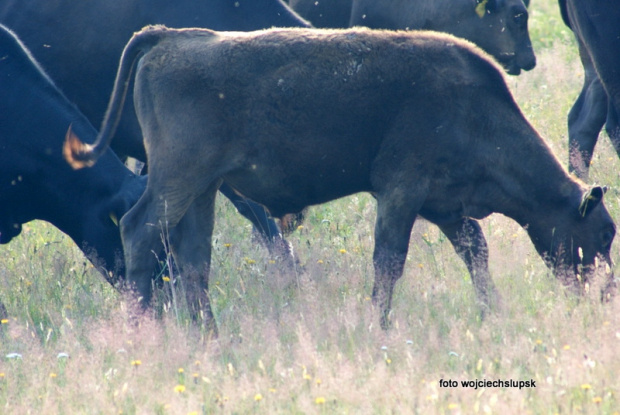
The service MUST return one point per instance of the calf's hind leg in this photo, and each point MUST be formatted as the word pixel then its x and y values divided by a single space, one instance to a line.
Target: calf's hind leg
pixel 141 230
pixel 162 206
pixel 190 242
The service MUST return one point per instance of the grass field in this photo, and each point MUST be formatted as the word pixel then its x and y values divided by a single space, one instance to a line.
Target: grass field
pixel 310 342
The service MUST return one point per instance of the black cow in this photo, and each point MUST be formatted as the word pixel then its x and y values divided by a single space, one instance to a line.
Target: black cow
pixel 35 181
pixel 497 26
pixel 596 25
pixel 79 43
pixel 291 118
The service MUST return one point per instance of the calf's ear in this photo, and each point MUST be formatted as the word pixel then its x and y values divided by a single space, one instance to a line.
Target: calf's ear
pixel 590 200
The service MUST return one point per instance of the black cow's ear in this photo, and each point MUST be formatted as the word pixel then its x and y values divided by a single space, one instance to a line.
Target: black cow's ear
pixel 481 7
pixel 590 200
pixel 527 3
pixel 485 6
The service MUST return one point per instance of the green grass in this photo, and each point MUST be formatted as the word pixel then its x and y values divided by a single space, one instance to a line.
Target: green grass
pixel 310 342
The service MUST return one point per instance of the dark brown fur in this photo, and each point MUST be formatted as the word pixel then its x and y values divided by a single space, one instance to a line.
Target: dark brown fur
pixel 292 118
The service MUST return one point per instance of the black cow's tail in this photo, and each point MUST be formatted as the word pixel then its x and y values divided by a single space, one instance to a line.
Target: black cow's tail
pixel 79 154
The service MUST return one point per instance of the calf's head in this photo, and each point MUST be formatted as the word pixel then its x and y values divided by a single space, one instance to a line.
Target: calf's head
pixel 575 237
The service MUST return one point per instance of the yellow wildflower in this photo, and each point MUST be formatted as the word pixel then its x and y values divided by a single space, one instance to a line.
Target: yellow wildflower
pixel 166 279
pixel 4 321
pixel 304 373
pixel 320 400
pixel 343 251
pixel 586 386
pixel 136 362
pixel 258 397
pixel 179 388
pixel 597 399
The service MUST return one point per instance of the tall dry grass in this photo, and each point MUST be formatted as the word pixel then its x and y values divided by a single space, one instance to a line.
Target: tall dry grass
pixel 310 342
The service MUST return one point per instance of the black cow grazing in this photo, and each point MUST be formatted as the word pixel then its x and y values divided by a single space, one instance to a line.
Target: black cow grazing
pixel 596 25
pixel 35 181
pixel 497 26
pixel 79 44
pixel 296 117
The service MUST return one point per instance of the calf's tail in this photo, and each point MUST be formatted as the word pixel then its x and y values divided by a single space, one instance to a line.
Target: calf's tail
pixel 79 154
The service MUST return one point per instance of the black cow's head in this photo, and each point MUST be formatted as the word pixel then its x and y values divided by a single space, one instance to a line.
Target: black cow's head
pixel 100 227
pixel 501 29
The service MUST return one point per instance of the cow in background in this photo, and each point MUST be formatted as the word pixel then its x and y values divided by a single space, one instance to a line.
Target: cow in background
pixel 35 181
pixel 79 43
pixel 497 26
pixel 596 25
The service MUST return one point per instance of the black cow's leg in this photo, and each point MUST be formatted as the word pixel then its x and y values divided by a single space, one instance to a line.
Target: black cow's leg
pixel 190 242
pixel 254 212
pixel 613 126
pixel 395 219
pixel 468 240
pixel 585 121
pixel 264 225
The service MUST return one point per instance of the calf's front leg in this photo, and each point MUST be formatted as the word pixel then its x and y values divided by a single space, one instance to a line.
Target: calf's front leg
pixel 392 233
pixel 470 244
